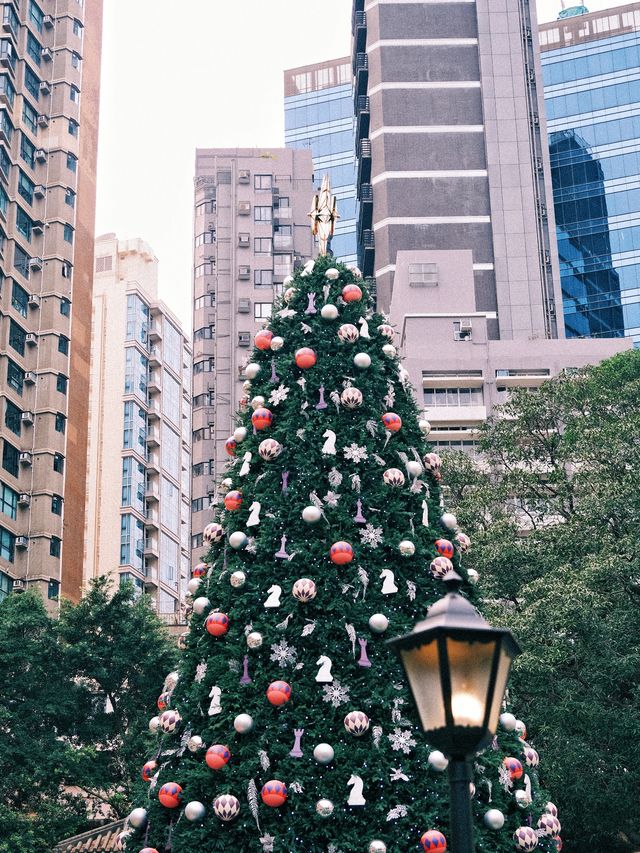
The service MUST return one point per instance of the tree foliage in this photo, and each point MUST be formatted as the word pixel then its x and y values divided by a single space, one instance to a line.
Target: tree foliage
pixel 73 710
pixel 554 514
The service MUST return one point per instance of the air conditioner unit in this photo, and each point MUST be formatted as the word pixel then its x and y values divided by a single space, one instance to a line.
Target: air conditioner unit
pixel 466 327
pixel 48 21
pixel 39 191
pixel 22 542
pixel 26 417
pixel 25 457
pixel 46 54
pixel 547 256
pixel 244 176
pixel 24 499
pixel 30 377
pixel 31 339
pixel 244 240
pixel 535 121
pixel 34 300
pixel 37 226
pixel 244 339
pixel 35 263
pixel 463 332
pixel 539 164
pixel 244 208
pixel 18 585
pixel 45 87
pixel 43 120
pixel 244 306
pixel 244 272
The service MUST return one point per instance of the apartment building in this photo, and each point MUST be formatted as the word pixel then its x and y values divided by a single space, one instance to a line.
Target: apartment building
pixel 250 229
pixel 49 99
pixel 138 478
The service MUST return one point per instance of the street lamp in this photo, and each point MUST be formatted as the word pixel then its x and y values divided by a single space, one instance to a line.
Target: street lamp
pixel 457 667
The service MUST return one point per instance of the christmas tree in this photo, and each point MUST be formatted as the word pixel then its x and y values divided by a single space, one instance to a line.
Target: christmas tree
pixel 289 727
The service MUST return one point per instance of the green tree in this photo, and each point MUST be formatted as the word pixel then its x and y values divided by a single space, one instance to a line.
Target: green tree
pixel 73 710
pixel 554 515
pixel 332 514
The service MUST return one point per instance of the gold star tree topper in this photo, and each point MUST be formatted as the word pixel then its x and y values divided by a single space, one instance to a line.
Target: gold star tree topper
pixel 323 215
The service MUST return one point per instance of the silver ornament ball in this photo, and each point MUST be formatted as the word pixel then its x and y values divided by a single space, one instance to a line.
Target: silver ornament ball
pixel 311 514
pixel 243 723
pixel 473 576
pixel 323 753
pixel 252 370
pixel 193 585
pixel 138 818
pixel 246 386
pixel 332 274
pixel 449 520
pixel 226 484
pixel 389 350
pixel 508 722
pixel 522 799
pixel 240 433
pixel 254 640
pixel 425 427
pixel 194 811
pixel 171 680
pixel 362 360
pixel 324 808
pixel 378 623
pixel 237 579
pixel 494 819
pixel 200 605
pixel 154 724
pixel 377 846
pixel 438 760
pixel 195 743
pixel 329 312
pixel 407 548
pixel 238 540
pixel 257 402
pixel 276 343
pixel 414 468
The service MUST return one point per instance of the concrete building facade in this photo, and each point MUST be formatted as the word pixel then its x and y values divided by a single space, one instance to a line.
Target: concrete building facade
pixel 49 98
pixel 138 496
pixel 250 229
pixel 591 71
pixel 319 115
pixel 456 225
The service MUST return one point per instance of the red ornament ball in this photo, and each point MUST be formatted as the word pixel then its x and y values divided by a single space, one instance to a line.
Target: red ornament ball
pixel 148 770
pixel 274 793
pixel 433 840
pixel 392 422
pixel 558 842
pixel 341 553
pixel 217 624
pixel 262 418
pixel 233 500
pixel 148 850
pixel 305 358
pixel 200 570
pixel 263 339
pixel 170 795
pixel 351 293
pixel 230 446
pixel 444 548
pixel 279 693
pixel 514 767
pixel 217 756
pixel 163 701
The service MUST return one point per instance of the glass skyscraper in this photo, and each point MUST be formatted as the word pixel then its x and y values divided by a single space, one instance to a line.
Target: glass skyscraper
pixel 319 115
pixel 591 70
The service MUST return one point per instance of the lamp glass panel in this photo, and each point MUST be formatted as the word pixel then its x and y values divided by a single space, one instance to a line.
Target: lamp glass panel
pixel 470 666
pixel 504 665
pixel 422 666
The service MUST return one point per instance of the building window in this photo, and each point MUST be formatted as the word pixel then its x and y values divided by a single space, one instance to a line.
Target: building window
pixel 17 337
pixel 262 214
pixel 19 299
pixel 24 223
pixel 21 260
pixel 63 345
pixel 10 458
pixel 56 504
pixel 75 59
pixel 53 590
pixel 54 546
pixel 12 417
pixel 4 201
pixel 34 48
pixel 73 127
pixel 208 268
pixel 262 310
pixel 68 233
pixel 70 197
pixel 7 545
pixel 262 278
pixel 36 15
pixel 31 82
pixel 262 182
pixel 5 162
pixel 30 116
pixel 77 28
pixel 6 583
pixel 28 154
pixel 196 541
pixel 66 269
pixel 5 125
pixel 74 94
pixel 7 89
pixel 423 275
pixel 65 307
pixel 72 162
pixel 204 366
pixel 453 397
pixel 58 463
pixel 262 245
pixel 206 238
pixel 61 383
pixel 61 422
pixel 199 504
pixel 206 333
pixel 10 18
pixel 8 501
pixel 206 207
pixel 15 376
pixel 7 51
pixel 25 187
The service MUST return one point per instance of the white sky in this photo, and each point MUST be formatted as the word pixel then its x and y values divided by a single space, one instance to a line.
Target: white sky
pixel 199 73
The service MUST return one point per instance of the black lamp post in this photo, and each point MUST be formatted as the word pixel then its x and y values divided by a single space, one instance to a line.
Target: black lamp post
pixel 457 667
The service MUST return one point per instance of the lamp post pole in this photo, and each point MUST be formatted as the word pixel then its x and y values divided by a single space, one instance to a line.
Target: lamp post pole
pixel 461 822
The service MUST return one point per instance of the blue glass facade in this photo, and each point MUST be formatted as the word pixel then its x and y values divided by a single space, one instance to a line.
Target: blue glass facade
pixel 319 115
pixel 591 71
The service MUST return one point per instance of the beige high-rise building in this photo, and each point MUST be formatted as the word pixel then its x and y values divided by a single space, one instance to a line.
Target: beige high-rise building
pixel 138 496
pixel 49 100
pixel 250 228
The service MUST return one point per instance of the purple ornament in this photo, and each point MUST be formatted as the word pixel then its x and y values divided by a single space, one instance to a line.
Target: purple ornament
pixel 285 481
pixel 321 403
pixel 282 553
pixel 364 660
pixel 245 675
pixel 274 376
pixel 311 307
pixel 359 517
pixel 296 752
